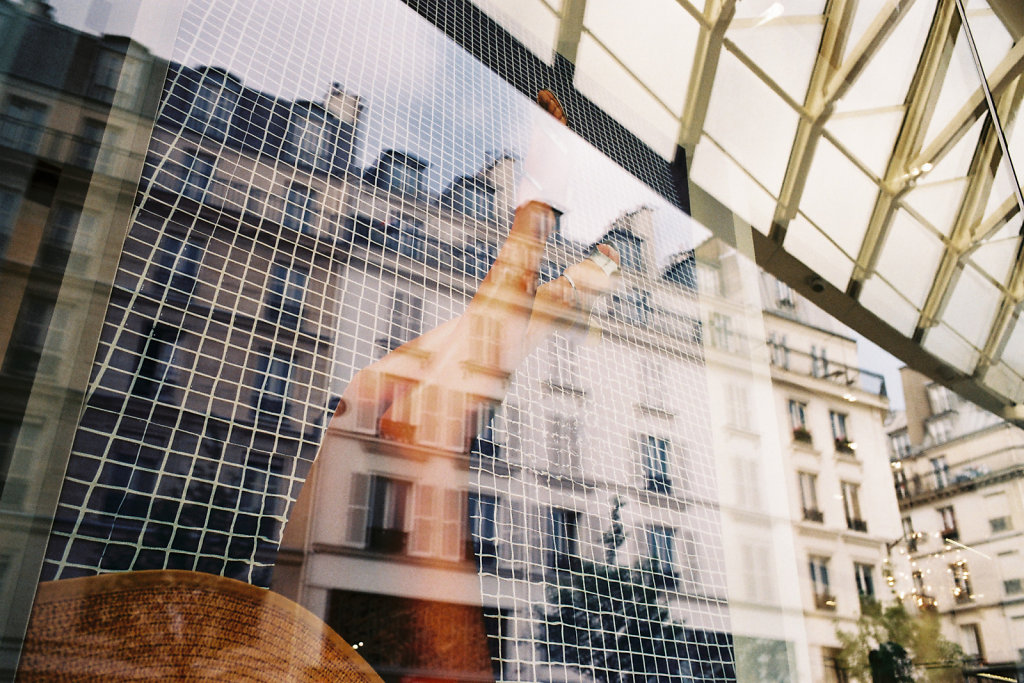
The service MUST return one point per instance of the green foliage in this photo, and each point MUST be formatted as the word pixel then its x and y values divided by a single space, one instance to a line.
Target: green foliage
pixel 933 657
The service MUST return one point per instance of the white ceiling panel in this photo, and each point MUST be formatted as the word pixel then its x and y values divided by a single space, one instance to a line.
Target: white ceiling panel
pixel 760 143
pixel 888 304
pixel 937 203
pixel 868 135
pixel 972 306
pixel 645 35
pixel 838 197
pixel 951 348
pixel 786 51
pixel 910 257
pixel 813 248
pixel 730 184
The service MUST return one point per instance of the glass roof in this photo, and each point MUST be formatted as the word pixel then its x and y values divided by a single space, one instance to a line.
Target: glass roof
pixel 874 143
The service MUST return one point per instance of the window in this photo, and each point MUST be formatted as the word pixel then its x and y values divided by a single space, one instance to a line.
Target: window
pixel 900 483
pixel 780 351
pixel 709 279
pixel 438 522
pixel 563 443
pixel 286 290
pixel 950 532
pixel 87 148
pixel 721 331
pixel 630 248
pixel 178 266
pixel 214 105
pixel 380 502
pixel 196 172
pixel 842 439
pixel 865 577
pixel 405 320
pixel 485 331
pixel 655 464
pixel 159 363
pixel 909 534
pixel 631 307
pixel 473 198
pixel 60 235
pixel 1012 571
pixel 899 442
pixel 300 208
pixel 483 528
pixel 564 362
pixel 25 352
pixel 970 640
pixel 562 538
pixel 271 391
pixel 747 471
pixel 940 471
pixel 18 462
pixel 940 399
pixel 961 581
pixel 406 235
pixel 9 202
pixel 105 75
pixel 660 549
pixel 737 405
pixel 311 137
pixel 809 497
pixel 940 428
pixel 851 506
pixel 784 295
pixel 819 362
pixel 798 420
pixel 823 598
pixel 997 508
pixel 22 124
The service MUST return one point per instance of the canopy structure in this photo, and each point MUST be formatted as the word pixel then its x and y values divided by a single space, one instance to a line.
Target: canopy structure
pixel 871 146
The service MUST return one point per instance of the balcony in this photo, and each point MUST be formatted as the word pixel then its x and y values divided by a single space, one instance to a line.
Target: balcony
pixel 825 601
pixel 383 540
pixel 951 534
pixel 857 525
pixel 916 487
pixel 805 364
pixel 963 596
pixel 925 602
pixel 802 435
pixel 845 446
pixel 814 515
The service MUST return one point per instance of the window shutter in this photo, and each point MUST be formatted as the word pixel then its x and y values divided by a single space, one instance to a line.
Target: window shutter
pixel 368 402
pixel 424 523
pixel 358 509
pixel 454 526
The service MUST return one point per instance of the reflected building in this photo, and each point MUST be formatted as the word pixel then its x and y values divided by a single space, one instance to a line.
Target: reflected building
pixel 69 124
pixel 803 483
pixel 956 470
pixel 211 381
pixel 397 539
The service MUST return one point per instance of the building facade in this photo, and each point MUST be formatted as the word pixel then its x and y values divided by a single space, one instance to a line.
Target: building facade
pixel 957 474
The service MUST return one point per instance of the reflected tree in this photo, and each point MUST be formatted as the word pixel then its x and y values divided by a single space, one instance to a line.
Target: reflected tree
pixel 612 623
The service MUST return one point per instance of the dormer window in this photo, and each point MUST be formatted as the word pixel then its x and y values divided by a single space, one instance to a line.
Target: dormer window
pixel 214 104
pixel 311 136
pixel 399 173
pixel 472 197
pixel 630 248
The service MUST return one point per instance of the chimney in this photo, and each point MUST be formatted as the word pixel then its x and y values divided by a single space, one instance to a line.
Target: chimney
pixel 345 107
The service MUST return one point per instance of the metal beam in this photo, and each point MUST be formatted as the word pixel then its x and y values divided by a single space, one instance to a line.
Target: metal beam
pixel 717 15
pixel 1009 68
pixel 1011 13
pixel 830 52
pixel 988 155
pixel 874 37
pixel 570 29
pixel 920 103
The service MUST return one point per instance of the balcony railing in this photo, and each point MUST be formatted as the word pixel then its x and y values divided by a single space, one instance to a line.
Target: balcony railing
pixel 950 534
pixel 857 524
pixel 814 515
pixel 956 478
pixel 63 147
pixel 925 602
pixel 825 601
pixel 803 363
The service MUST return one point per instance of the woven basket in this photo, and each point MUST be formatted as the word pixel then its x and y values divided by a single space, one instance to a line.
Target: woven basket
pixel 179 626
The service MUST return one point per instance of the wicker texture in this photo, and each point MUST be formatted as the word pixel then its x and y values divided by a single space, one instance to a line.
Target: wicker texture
pixel 179 626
